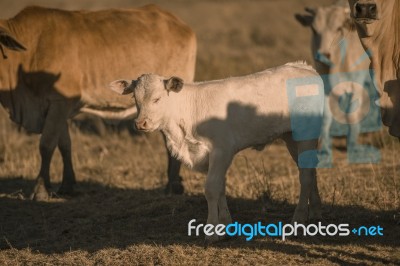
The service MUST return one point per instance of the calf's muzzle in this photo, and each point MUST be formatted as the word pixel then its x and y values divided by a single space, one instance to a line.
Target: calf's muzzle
pixel 141 124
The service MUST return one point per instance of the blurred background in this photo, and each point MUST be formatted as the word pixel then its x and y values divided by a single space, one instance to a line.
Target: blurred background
pixel 234 37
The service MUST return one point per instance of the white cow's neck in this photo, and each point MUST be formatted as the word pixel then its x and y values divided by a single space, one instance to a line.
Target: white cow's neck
pixel 179 129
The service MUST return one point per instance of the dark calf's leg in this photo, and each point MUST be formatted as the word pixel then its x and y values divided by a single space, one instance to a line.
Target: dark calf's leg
pixel 64 145
pixel 174 185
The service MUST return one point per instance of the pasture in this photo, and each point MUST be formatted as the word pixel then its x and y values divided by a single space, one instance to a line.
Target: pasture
pixel 119 213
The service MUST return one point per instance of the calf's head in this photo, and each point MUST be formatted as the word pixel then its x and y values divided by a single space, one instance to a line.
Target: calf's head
pixel 152 96
pixel 329 25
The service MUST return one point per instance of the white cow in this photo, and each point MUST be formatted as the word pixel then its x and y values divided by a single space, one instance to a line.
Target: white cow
pixel 207 123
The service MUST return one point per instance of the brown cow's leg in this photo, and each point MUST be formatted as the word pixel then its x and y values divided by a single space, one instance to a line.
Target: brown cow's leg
pixel 64 145
pixel 47 146
pixel 174 185
pixel 55 120
pixel 2 152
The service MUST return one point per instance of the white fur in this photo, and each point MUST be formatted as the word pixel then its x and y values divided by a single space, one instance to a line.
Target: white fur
pixel 207 123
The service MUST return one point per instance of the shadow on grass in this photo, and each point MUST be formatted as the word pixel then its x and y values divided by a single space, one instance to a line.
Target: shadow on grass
pixel 98 217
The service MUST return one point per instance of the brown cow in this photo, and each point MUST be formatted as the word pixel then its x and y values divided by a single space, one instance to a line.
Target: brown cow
pixel 378 26
pixel 57 63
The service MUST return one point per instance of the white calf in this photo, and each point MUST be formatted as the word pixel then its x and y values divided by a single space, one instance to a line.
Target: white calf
pixel 207 123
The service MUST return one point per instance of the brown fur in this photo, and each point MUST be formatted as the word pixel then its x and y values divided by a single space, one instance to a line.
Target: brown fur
pixel 385 48
pixel 70 58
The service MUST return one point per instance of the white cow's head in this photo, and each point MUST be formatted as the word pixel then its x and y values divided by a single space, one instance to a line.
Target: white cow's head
pixel 370 14
pixel 329 25
pixel 152 96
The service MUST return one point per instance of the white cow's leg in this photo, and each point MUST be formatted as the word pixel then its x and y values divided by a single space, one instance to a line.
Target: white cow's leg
pixel 301 212
pixel 224 215
pixel 325 154
pixel 315 212
pixel 308 182
pixel 215 189
pixel 354 128
pixel 64 145
pixel 326 145
pixel 55 120
pixel 308 190
pixel 352 136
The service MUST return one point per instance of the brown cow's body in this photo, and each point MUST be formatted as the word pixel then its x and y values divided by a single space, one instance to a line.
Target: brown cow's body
pixel 380 35
pixel 71 56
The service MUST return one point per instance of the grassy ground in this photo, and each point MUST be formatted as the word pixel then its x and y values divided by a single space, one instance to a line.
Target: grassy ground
pixel 119 214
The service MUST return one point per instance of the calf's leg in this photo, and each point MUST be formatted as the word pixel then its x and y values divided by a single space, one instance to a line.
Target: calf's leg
pixel 309 205
pixel 224 215
pixel 215 190
pixel 308 190
pixel 315 212
pixel 326 139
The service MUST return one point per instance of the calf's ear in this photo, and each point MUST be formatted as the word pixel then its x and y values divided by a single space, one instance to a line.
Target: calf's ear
pixel 305 20
pixel 123 86
pixel 174 84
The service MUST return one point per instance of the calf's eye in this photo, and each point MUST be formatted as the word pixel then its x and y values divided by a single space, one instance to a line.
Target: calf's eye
pixel 157 100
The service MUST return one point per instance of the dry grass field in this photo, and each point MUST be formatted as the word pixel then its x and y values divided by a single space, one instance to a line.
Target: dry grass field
pixel 119 213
